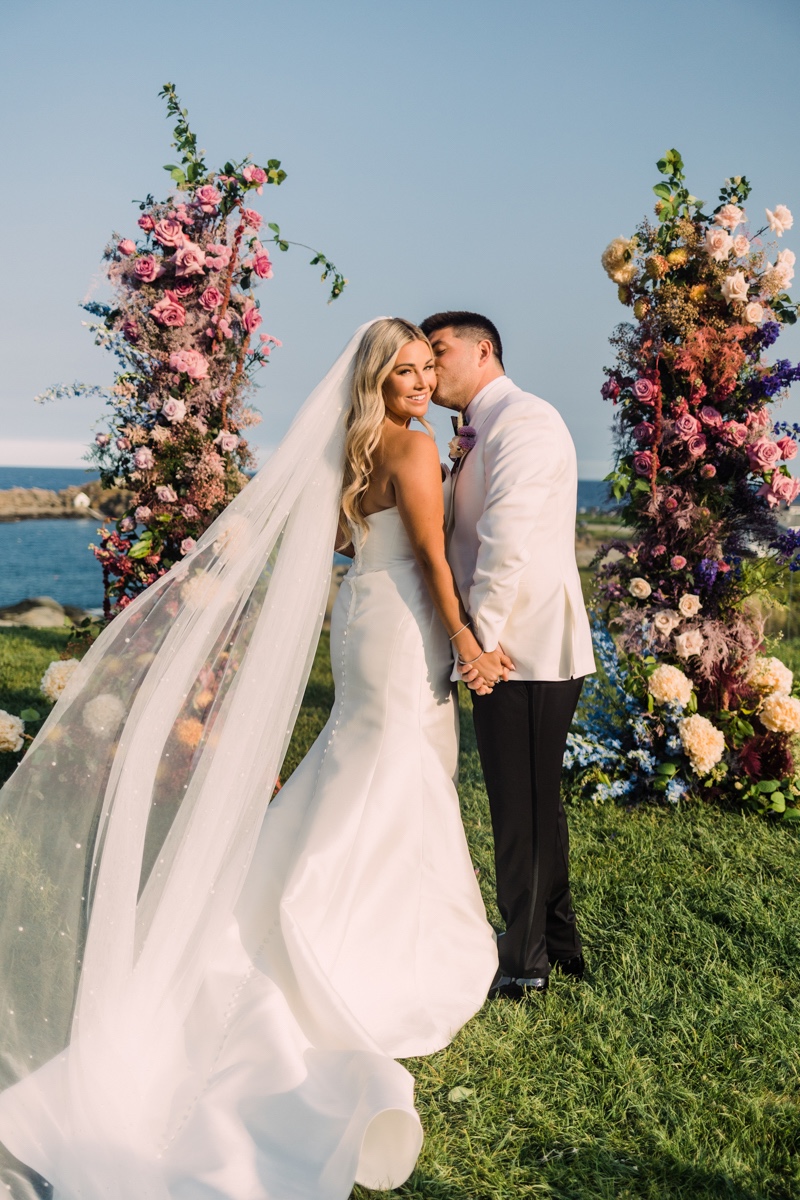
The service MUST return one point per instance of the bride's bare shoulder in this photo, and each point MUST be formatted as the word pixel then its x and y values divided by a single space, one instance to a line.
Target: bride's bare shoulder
pixel 414 450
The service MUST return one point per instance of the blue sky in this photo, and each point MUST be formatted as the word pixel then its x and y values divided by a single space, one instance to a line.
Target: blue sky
pixel 447 154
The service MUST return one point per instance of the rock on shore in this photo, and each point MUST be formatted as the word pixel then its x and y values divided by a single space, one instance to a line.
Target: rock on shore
pixel 93 500
pixel 41 612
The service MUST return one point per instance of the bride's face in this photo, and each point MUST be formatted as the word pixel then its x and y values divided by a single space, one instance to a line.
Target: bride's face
pixel 408 386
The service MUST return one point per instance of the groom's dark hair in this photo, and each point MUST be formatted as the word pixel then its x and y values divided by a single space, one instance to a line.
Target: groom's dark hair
pixel 469 324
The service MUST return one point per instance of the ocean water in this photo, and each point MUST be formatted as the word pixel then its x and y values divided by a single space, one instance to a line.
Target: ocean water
pixel 52 558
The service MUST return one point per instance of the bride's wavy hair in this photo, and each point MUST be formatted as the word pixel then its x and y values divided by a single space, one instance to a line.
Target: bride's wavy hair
pixel 374 360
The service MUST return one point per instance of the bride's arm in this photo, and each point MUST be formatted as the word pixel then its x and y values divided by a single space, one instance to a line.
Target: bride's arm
pixel 344 542
pixel 417 481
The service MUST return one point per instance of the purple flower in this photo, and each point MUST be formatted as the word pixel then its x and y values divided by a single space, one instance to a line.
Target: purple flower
pixel 610 389
pixel 467 437
pixel 706 573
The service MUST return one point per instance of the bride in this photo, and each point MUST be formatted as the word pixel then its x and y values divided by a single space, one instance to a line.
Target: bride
pixel 201 999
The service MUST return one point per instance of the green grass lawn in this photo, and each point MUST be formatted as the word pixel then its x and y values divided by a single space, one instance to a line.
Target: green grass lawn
pixel 673 1071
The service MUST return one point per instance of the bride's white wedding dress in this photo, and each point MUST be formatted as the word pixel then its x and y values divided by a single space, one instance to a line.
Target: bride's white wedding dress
pixel 359 937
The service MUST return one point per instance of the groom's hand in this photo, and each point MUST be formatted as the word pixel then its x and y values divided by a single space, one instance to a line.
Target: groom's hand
pixel 492 666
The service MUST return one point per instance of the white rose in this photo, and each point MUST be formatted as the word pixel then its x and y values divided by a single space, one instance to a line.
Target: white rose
pixel 666 620
pixel 735 287
pixel 754 313
pixel 689 605
pixel 780 220
pixel 730 215
pixel 56 677
pixel 689 643
pixel 102 714
pixel 640 588
pixel 11 731
pixel 718 244
pixel 741 245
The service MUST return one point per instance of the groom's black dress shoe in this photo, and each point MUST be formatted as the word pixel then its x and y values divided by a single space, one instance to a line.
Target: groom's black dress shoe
pixel 504 987
pixel 574 966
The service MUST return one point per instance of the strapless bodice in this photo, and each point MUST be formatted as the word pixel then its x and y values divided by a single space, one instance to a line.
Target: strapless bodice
pixel 386 545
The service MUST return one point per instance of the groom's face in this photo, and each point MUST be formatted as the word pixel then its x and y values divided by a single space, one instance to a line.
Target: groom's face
pixel 457 369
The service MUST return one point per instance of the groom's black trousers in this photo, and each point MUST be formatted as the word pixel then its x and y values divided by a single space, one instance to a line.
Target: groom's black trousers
pixel 521 730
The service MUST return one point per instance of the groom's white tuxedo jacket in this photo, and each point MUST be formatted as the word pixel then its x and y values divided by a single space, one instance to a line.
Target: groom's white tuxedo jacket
pixel 512 541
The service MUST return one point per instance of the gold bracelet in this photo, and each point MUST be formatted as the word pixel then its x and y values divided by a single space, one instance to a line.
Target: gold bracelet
pixel 464 663
pixel 458 631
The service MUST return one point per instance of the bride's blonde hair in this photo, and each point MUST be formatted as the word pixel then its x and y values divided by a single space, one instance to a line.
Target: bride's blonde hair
pixel 374 360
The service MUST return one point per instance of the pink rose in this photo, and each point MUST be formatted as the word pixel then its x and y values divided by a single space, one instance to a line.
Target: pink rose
pixel 143 459
pixel 687 426
pixel 189 259
pixel 146 223
pixel 735 433
pixel 256 176
pixel 211 298
pixel 168 312
pixel 142 514
pixel 785 487
pixel 146 269
pixel 102 439
pixel 677 562
pixel 697 445
pixel 643 462
pixel 741 245
pixel 190 512
pixel 188 544
pixel 644 391
pixel 729 216
pixel 226 441
pixel 180 292
pixel 130 330
pixel 207 197
pixel 708 470
pixel 711 417
pixel 122 443
pixel 127 247
pixel 190 362
pixel 643 432
pixel 788 447
pixel 251 218
pixel 166 494
pixel 764 455
pixel 262 266
pixel 173 409
pixel 758 419
pixel 252 318
pixel 169 232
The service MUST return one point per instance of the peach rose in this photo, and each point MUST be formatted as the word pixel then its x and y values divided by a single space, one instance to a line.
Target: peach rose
pixel 718 244
pixel 665 621
pixel 780 220
pixel 754 313
pixel 689 605
pixel 734 288
pixel 741 245
pixel 689 643
pixel 639 588
pixel 729 216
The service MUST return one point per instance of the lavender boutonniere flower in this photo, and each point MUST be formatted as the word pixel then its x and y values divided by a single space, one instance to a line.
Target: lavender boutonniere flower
pixel 463 442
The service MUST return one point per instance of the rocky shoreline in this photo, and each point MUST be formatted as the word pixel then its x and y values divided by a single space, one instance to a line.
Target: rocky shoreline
pixel 87 500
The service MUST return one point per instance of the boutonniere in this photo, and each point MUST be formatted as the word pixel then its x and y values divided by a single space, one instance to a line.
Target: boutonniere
pixel 463 442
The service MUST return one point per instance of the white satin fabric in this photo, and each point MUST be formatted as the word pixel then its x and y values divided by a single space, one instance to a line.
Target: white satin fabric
pixel 360 937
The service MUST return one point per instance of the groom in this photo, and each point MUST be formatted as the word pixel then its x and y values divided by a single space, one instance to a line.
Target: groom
pixel 512 551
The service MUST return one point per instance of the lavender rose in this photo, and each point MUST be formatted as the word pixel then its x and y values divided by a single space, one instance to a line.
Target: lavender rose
pixel 644 391
pixel 143 459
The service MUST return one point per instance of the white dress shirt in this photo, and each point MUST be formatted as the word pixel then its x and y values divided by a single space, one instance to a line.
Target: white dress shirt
pixel 512 545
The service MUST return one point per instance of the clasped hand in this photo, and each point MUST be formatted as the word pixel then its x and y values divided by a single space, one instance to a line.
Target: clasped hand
pixel 492 667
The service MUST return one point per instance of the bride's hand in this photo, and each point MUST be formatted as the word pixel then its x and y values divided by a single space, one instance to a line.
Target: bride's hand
pixel 489 669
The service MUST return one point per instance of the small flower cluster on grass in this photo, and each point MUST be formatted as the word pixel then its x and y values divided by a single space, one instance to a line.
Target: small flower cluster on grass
pixel 701 468
pixel 187 331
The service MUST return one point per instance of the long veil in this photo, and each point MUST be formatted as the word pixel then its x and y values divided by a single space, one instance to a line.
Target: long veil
pixel 127 830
